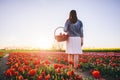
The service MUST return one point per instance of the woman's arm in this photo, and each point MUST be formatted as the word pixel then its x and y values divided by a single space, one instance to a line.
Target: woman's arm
pixel 82 41
pixel 66 26
pixel 81 33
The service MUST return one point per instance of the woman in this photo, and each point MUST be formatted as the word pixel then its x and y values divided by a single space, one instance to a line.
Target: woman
pixel 74 28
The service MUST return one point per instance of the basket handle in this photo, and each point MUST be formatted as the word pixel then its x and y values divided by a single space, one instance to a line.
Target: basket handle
pixel 56 29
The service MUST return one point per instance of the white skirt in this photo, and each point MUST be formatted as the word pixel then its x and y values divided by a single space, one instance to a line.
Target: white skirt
pixel 73 45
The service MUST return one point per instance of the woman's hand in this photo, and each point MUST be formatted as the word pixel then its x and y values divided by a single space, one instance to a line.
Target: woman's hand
pixel 81 41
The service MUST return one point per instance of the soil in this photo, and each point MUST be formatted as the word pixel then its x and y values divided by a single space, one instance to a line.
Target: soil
pixel 3 66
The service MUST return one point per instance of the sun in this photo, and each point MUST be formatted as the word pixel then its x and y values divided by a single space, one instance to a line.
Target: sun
pixel 43 43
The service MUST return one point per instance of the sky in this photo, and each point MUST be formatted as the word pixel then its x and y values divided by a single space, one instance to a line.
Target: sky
pixel 31 23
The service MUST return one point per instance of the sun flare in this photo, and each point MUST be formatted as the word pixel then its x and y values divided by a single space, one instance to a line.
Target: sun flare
pixel 44 43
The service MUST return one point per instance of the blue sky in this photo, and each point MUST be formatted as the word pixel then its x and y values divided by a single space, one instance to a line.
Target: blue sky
pixel 31 23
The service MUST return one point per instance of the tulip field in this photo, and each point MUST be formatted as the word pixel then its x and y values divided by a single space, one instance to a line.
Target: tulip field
pixel 55 66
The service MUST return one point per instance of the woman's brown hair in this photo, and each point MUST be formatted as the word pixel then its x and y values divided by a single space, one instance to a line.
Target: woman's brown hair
pixel 73 16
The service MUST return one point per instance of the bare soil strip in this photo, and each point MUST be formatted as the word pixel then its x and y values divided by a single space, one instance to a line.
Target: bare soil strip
pixel 3 66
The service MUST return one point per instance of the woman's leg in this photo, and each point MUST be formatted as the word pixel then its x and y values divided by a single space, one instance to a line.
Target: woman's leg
pixel 70 60
pixel 76 60
pixel 70 57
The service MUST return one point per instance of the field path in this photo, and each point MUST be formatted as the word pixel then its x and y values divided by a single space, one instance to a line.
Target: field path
pixel 85 74
pixel 3 65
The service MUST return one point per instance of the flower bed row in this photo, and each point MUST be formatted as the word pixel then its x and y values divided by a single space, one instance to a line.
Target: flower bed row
pixel 107 65
pixel 54 66
pixel 35 66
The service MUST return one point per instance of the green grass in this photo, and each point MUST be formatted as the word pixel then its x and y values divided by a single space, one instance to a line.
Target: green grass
pixel 84 50
pixel 4 52
pixel 101 49
pixel 1 55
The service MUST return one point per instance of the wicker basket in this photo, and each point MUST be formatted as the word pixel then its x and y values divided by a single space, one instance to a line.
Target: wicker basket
pixel 61 37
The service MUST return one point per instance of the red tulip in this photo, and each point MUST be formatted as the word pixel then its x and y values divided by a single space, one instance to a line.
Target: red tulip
pixel 47 62
pixel 12 70
pixel 36 62
pixel 58 70
pixel 58 59
pixel 20 77
pixel 71 62
pixel 26 62
pixel 32 72
pixel 43 73
pixel 78 77
pixel 96 74
pixel 21 70
pixel 8 73
pixel 84 60
pixel 55 66
pixel 78 66
pixel 39 77
pixel 15 73
pixel 16 66
pixel 69 73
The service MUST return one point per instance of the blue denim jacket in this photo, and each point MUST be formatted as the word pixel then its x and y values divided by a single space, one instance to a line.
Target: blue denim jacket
pixel 74 29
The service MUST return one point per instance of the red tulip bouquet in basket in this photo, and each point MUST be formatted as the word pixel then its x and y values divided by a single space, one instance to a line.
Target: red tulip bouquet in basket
pixel 61 36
